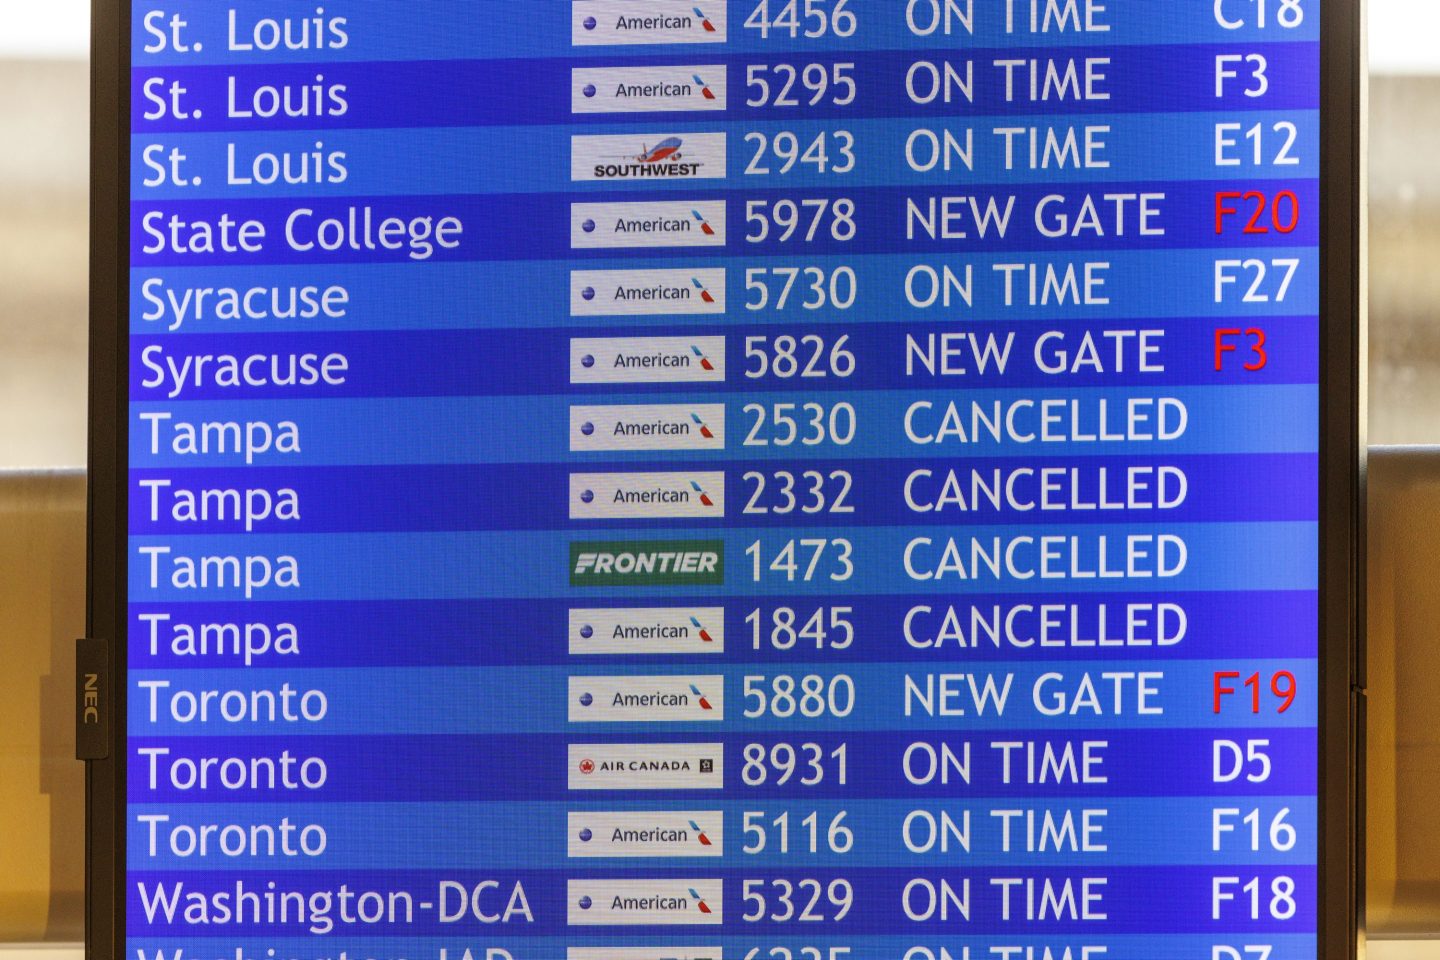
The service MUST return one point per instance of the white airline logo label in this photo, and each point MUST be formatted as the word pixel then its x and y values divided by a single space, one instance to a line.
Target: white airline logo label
pixel 647 699
pixel 611 159
pixel 648 426
pixel 613 23
pixel 647 360
pixel 617 293
pixel 645 953
pixel 646 766
pixel 639 496
pixel 650 89
pixel 664 833
pixel 652 224
pixel 647 630
pixel 598 903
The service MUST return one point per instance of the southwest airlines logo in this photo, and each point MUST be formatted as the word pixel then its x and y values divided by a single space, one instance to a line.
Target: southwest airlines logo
pixel 693 156
pixel 667 149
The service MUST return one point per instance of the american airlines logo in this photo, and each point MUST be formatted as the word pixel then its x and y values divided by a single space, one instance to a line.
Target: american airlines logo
pixel 597 23
pixel 664 223
pixel 640 496
pixel 692 359
pixel 649 89
pixel 663 833
pixel 645 953
pixel 596 293
pixel 647 699
pixel 646 426
pixel 645 902
pixel 647 630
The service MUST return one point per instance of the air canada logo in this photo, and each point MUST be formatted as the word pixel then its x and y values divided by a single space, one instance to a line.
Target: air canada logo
pixel 639 765
pixel 647 766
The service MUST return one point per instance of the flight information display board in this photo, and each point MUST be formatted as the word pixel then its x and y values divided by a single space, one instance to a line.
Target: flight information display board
pixel 689 479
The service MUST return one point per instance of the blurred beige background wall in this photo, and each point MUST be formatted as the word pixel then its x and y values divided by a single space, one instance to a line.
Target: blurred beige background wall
pixel 44 170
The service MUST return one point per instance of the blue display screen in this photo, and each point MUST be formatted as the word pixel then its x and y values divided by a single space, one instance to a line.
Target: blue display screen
pixel 723 480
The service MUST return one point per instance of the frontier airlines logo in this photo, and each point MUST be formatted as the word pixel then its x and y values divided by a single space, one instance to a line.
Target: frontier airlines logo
pixel 647 563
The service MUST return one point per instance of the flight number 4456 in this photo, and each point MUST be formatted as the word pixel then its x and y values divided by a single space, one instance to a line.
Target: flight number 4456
pixel 811 19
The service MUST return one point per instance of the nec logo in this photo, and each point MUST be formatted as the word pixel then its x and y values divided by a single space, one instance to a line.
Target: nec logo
pixel 92 703
pixel 90 698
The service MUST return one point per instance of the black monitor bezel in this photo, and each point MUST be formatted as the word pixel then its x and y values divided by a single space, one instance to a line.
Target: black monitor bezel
pixel 1342 456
